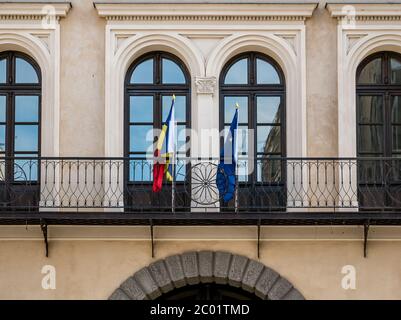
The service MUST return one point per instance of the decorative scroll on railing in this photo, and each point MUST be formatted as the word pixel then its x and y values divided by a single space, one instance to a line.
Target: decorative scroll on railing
pixel 263 185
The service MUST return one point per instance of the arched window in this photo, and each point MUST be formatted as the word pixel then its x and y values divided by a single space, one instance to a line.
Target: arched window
pixel 379 105
pixel 378 90
pixel 257 84
pixel 20 101
pixel 150 83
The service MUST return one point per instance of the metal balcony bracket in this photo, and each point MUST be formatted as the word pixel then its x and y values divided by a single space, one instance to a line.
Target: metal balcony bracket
pixel 43 227
pixel 152 238
pixel 258 245
pixel 366 226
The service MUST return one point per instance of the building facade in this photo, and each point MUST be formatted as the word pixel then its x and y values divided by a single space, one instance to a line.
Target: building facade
pixel 85 88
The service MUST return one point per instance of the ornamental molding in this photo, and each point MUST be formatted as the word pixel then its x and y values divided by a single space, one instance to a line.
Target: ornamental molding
pixel 365 12
pixel 33 11
pixel 205 12
pixel 205 85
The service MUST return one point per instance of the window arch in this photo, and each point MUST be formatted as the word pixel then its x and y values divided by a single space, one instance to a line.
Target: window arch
pixel 20 114
pixel 257 83
pixel 379 105
pixel 150 83
pixel 378 95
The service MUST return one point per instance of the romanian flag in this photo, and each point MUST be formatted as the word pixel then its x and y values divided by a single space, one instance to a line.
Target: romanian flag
pixel 165 168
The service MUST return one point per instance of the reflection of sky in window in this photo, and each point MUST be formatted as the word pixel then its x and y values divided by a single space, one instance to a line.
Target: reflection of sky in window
pixel 2 108
pixel 25 73
pixel 26 138
pixel 243 170
pixel 141 170
pixel 141 138
pixel 26 109
pixel 268 139
pixel 141 109
pixel 238 73
pixel 266 73
pixel 2 138
pixel 172 73
pixel 229 109
pixel 268 109
pixel 243 138
pixel 26 169
pixel 143 72
pixel 179 106
pixel 3 71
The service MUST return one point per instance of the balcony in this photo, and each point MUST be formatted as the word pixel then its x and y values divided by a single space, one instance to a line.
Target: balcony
pixel 119 191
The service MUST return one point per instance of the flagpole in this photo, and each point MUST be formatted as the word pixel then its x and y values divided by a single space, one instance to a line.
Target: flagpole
pixel 173 182
pixel 173 164
pixel 236 188
pixel 236 163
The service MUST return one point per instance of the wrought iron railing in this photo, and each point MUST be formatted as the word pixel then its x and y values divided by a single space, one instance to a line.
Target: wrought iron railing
pixel 263 185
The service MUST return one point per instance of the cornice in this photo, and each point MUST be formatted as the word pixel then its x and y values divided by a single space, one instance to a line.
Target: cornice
pixel 205 12
pixel 366 11
pixel 33 11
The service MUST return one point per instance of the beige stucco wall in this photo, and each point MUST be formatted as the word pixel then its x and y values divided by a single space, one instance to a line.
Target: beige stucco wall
pixel 321 84
pixel 94 269
pixel 82 81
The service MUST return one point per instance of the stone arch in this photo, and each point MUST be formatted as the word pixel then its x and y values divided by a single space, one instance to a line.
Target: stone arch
pixel 218 267
pixel 117 65
pixel 291 61
pixel 273 46
pixel 177 45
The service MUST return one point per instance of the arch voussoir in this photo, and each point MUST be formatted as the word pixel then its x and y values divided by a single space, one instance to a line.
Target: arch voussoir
pixel 218 267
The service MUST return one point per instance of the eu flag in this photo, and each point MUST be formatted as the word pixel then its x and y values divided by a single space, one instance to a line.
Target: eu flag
pixel 226 171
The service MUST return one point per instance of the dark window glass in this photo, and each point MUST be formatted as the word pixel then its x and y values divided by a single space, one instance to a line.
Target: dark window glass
pixel 269 170
pixel 372 72
pixel 266 73
pixel 25 73
pixel 397 139
pixel 3 71
pixel 143 73
pixel 141 109
pixel 395 71
pixel 371 138
pixel 172 73
pixel 396 109
pixel 379 106
pixel 371 109
pixel 238 73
